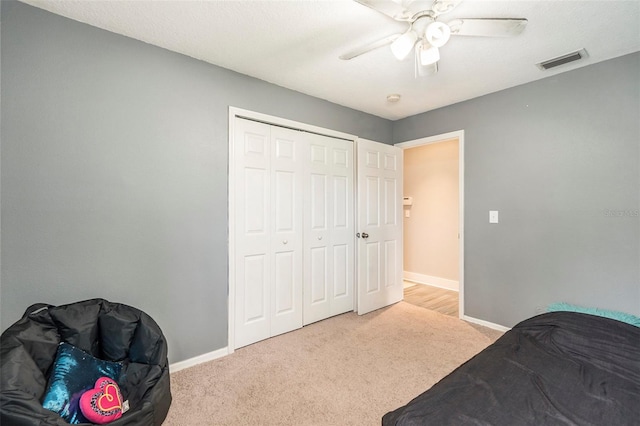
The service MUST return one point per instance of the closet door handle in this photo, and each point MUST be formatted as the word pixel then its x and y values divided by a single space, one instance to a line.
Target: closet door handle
pixel 284 241
pixel 365 235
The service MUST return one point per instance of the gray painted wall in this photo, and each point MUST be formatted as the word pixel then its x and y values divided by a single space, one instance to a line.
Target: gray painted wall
pixel 560 159
pixel 114 172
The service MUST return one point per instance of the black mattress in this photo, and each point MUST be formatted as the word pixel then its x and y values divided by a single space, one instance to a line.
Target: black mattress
pixel 560 368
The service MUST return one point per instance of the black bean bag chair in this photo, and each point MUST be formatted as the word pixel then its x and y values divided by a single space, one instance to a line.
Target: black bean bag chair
pixel 108 331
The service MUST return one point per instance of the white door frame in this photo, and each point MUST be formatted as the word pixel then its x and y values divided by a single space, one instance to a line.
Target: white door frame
pixel 441 138
pixel 268 119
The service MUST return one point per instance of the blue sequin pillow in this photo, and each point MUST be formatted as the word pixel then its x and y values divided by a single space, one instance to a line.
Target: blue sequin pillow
pixel 75 371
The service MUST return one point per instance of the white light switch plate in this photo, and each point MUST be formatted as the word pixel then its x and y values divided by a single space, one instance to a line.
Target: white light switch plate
pixel 493 216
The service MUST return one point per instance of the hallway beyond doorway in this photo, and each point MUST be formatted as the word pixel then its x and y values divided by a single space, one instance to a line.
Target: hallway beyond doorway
pixel 432 298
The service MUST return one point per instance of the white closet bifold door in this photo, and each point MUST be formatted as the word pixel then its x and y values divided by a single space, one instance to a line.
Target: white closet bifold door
pixel 286 207
pixel 294 248
pixel 268 230
pixel 328 228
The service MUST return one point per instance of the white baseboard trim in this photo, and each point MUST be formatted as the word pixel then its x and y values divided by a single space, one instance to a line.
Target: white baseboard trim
pixel 432 281
pixel 177 366
pixel 486 323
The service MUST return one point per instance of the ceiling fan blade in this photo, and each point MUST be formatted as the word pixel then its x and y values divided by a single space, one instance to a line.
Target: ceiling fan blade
pixel 369 47
pixel 500 27
pixel 389 8
pixel 444 6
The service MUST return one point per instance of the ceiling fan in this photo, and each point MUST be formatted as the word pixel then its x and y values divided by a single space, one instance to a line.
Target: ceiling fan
pixel 426 34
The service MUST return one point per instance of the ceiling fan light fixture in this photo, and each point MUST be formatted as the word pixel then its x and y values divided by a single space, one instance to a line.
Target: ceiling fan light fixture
pixel 425 34
pixel 422 71
pixel 438 34
pixel 428 54
pixel 402 46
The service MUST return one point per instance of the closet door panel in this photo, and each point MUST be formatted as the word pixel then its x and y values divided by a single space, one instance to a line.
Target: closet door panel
pixel 342 227
pixel 255 306
pixel 329 229
pixel 316 257
pixel 341 206
pixel 285 202
pixel 318 199
pixel 284 282
pixel 255 198
pixel 253 257
pixel 318 272
pixel 286 242
pixel 341 280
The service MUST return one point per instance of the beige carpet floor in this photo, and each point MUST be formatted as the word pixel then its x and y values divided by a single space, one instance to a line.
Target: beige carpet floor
pixel 346 370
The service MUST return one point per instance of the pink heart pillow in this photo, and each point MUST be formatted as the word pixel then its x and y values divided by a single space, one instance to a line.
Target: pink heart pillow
pixel 103 403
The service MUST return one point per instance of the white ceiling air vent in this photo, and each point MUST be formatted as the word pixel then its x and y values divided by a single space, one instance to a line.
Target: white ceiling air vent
pixel 564 59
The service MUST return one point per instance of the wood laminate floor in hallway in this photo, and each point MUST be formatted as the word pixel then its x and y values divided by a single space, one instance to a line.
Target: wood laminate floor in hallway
pixel 433 298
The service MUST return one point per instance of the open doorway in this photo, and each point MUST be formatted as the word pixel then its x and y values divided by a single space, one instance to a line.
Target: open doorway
pixel 433 212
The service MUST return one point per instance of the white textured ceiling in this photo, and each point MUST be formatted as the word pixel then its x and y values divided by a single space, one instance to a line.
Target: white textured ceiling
pixel 296 44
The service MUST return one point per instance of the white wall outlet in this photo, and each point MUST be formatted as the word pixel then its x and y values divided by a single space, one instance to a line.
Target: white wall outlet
pixel 493 216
